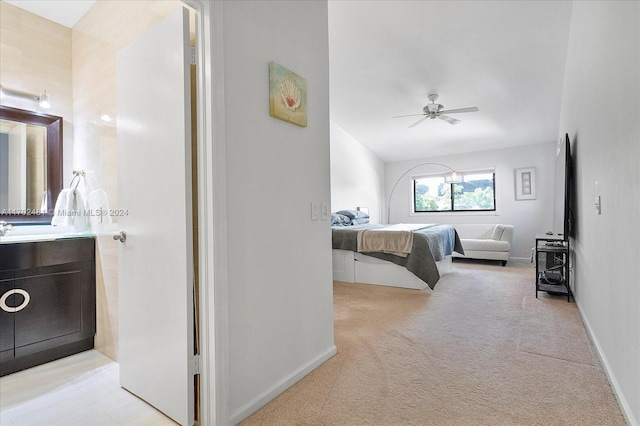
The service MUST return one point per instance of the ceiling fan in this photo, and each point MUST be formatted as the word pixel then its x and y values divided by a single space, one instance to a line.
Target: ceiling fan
pixel 434 110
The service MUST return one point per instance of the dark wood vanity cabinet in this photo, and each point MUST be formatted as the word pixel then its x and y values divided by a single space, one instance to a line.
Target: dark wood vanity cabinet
pixel 47 301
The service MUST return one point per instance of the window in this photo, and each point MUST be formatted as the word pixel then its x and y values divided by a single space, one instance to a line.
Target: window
pixel 475 191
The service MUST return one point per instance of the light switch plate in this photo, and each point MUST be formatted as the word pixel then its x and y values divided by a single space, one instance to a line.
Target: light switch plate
pixel 315 211
pixel 324 211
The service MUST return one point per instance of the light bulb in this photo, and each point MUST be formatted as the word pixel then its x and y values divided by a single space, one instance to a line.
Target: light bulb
pixel 44 100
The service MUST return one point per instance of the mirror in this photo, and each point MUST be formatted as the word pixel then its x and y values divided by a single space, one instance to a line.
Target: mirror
pixel 30 165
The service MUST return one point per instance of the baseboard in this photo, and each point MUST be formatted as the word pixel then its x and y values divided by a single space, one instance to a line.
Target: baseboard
pixel 521 260
pixel 280 387
pixel 626 409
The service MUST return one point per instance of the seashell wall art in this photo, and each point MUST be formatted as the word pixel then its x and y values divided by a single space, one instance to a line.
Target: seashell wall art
pixel 287 95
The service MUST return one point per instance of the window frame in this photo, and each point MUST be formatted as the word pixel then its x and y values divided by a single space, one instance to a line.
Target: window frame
pixel 452 209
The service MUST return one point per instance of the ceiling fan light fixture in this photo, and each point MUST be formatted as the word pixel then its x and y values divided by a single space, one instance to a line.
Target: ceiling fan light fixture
pixel 434 110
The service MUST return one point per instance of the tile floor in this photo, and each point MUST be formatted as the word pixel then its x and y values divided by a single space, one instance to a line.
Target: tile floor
pixel 78 390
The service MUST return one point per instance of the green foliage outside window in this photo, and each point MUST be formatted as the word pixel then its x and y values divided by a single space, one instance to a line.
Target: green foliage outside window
pixel 474 193
pixel 426 201
pixel 477 199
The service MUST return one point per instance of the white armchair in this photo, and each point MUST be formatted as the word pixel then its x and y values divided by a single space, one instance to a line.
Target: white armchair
pixel 485 241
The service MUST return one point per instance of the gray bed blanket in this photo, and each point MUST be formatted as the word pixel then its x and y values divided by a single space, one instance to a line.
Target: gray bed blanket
pixel 430 244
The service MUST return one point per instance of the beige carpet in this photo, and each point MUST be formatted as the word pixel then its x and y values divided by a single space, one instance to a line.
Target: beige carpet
pixel 478 350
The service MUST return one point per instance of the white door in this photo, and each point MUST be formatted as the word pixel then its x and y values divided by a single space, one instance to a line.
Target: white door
pixel 155 289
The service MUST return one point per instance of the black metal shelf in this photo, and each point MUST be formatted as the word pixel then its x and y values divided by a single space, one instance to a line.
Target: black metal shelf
pixel 553 288
pixel 552 265
pixel 552 249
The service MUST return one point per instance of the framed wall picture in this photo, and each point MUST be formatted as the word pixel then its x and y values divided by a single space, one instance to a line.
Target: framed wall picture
pixel 287 95
pixel 526 183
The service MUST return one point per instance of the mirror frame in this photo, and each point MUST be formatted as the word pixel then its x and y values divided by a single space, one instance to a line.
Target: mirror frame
pixel 53 125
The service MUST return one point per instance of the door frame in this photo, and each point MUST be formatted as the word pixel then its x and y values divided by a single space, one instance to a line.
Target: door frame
pixel 212 219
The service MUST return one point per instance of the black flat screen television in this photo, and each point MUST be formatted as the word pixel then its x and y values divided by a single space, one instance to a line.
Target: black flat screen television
pixel 562 195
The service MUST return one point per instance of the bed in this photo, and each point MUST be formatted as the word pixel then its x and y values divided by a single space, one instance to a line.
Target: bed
pixel 428 257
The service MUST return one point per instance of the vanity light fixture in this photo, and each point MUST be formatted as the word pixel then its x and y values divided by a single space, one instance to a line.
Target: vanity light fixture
pixel 106 117
pixel 42 99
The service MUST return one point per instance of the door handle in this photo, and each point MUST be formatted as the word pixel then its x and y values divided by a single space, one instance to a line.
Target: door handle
pixel 122 237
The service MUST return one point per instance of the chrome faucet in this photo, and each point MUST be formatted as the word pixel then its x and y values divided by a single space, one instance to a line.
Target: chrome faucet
pixel 4 228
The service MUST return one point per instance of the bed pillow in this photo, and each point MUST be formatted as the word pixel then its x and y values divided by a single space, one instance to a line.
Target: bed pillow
pixel 357 217
pixel 340 220
pixel 360 220
pixel 353 214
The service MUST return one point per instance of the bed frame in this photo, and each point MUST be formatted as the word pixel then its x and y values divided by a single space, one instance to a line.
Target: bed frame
pixel 352 267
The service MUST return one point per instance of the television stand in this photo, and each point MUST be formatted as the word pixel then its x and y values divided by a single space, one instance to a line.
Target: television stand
pixel 552 265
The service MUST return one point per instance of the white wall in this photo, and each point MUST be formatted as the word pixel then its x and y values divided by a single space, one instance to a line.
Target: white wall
pixel 529 217
pixel 357 175
pixel 280 301
pixel 600 110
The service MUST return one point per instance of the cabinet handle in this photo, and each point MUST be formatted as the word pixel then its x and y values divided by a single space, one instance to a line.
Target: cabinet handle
pixel 5 296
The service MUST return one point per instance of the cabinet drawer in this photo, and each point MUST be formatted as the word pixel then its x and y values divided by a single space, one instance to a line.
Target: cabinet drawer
pixel 45 253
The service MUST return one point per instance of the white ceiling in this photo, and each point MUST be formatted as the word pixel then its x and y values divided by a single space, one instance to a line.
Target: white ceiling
pixel 64 12
pixel 506 57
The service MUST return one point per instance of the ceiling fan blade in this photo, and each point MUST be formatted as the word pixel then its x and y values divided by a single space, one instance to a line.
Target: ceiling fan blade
pixel 410 115
pixel 448 119
pixel 469 109
pixel 420 121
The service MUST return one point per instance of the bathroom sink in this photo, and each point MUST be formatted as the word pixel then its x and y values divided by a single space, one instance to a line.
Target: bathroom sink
pixel 11 238
pixel 28 233
pixel 32 233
